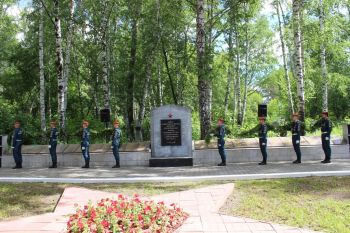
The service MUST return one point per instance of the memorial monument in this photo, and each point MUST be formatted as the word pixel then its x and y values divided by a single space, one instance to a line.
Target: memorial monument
pixel 171 136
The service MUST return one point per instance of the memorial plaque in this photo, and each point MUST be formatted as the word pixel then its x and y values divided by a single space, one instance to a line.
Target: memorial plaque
pixel 170 131
pixel 171 136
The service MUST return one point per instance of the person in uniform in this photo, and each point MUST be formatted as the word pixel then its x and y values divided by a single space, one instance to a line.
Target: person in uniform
pixel 116 143
pixel 263 139
pixel 53 143
pixel 17 141
pixel 326 129
pixel 220 134
pixel 296 129
pixel 85 143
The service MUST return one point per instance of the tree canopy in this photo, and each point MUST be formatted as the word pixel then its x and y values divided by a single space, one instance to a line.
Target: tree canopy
pixel 219 57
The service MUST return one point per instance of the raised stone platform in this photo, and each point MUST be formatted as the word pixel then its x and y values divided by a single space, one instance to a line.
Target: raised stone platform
pixel 138 154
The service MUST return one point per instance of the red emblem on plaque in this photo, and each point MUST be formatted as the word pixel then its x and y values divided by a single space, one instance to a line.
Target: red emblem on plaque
pixel 170 115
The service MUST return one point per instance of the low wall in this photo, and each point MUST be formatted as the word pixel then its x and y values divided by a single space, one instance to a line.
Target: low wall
pixel 201 157
pixel 275 154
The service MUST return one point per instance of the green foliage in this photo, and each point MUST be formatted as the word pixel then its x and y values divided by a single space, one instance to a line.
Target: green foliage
pixel 166 32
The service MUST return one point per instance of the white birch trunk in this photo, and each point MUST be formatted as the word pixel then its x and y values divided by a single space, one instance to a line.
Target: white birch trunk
pixel 289 45
pixel 104 58
pixel 234 107
pixel 238 80
pixel 228 90
pixel 246 64
pixel 59 66
pixel 229 73
pixel 149 62
pixel 68 50
pixel 160 85
pixel 204 92
pixel 323 60
pixel 285 67
pixel 299 63
pixel 41 70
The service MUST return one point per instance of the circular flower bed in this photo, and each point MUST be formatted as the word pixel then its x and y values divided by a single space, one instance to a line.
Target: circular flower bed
pixel 126 215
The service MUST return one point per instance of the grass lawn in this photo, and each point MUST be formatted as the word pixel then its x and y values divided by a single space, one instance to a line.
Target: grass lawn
pixel 320 203
pixel 25 199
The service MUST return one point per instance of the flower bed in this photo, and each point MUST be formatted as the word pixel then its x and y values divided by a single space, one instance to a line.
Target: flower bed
pixel 126 215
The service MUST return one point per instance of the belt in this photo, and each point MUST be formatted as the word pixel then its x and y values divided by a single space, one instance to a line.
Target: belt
pixel 295 134
pixel 18 140
pixel 324 132
pixel 53 140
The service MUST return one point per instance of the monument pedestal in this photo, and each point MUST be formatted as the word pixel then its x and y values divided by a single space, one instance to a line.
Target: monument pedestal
pixel 171 137
pixel 171 162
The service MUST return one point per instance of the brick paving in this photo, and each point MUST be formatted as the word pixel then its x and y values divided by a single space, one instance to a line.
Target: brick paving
pixel 233 171
pixel 202 204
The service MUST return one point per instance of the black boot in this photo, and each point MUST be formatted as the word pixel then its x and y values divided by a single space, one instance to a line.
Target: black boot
pixel 87 164
pixel 18 166
pixel 262 163
pixel 326 161
pixel 54 165
pixel 117 165
pixel 222 164
pixel 296 161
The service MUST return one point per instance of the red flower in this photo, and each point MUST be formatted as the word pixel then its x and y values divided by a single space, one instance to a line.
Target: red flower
pixel 105 223
pixel 109 210
pixel 80 224
pixel 126 215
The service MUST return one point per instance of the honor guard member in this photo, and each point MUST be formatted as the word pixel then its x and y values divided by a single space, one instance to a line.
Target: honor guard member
pixel 85 143
pixel 326 129
pixel 17 140
pixel 53 143
pixel 116 143
pixel 296 129
pixel 220 134
pixel 263 139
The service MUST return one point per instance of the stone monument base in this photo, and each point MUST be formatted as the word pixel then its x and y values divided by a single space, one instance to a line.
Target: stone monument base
pixel 171 162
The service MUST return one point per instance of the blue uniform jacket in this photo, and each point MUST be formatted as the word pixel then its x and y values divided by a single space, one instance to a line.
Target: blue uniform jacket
pixel 296 128
pixel 263 131
pixel 17 137
pixel 53 136
pixel 116 137
pixel 221 131
pixel 85 140
pixel 326 127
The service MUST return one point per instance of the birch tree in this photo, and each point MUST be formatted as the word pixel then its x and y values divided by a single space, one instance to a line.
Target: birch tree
pixel 105 56
pixel 204 89
pixel 149 62
pixel 323 59
pixel 238 77
pixel 73 8
pixel 298 56
pixel 134 9
pixel 230 70
pixel 59 65
pixel 41 69
pixel 246 61
pixel 284 57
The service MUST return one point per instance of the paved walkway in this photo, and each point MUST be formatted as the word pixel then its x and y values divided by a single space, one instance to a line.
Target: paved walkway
pixel 202 204
pixel 146 174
